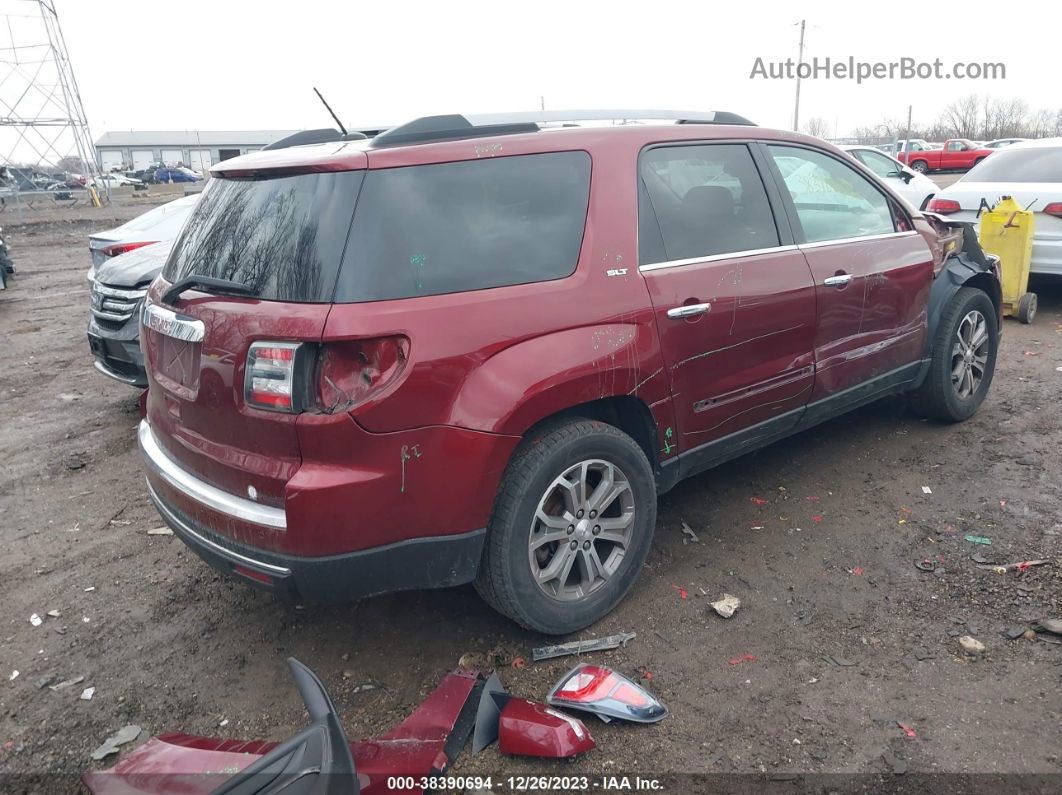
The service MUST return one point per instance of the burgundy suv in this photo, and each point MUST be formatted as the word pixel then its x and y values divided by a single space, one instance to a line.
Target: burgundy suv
pixel 476 349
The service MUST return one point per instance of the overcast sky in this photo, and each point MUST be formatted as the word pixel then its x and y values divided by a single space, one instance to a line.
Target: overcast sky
pixel 237 64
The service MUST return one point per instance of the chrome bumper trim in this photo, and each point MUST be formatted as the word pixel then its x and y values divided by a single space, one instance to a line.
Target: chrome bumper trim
pixel 174 520
pixel 202 492
pixel 125 379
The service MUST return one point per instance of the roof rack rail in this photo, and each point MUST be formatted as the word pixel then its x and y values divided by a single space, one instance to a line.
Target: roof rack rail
pixel 455 126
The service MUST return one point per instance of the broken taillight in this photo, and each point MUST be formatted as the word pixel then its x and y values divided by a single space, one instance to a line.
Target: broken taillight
pixel 943 206
pixel 277 376
pixel 597 689
pixel 353 373
pixel 123 248
pixel 1055 209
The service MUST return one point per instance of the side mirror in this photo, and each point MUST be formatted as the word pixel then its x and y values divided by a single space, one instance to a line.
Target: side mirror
pixel 906 176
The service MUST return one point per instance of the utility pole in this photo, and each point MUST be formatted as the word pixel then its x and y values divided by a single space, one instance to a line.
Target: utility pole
pixel 542 102
pixel 800 62
pixel 907 142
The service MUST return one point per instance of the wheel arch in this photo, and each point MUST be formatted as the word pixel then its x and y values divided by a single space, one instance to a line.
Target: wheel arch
pixel 626 412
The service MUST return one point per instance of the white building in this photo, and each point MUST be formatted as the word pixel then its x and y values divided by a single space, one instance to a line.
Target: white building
pixel 136 150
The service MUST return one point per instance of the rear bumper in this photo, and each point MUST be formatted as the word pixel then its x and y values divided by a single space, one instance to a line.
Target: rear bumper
pixel 228 531
pixel 436 562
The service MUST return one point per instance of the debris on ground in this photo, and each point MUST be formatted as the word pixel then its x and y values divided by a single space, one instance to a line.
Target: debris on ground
pixel 688 535
pixel 36 620
pixel 743 658
pixel 519 663
pixel 925 564
pixel 978 539
pixel 41 682
pixel 757 501
pixel 1021 566
pixel 858 570
pixel 727 606
pixel 582 646
pixel 680 589
pixel 88 693
pixel 54 613
pixel 841 662
pixel 124 735
pixel 160 531
pixel 1052 625
pixel 907 729
pixel 971 645
pixel 927 490
pixel 68 683
pixel 13 676
pixel 1014 633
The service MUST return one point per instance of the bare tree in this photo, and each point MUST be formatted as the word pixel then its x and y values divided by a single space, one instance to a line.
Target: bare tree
pixel 962 116
pixel 818 127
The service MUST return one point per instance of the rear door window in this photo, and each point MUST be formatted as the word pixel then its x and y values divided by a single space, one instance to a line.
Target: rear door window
pixel 470 225
pixel 833 201
pixel 708 199
pixel 282 236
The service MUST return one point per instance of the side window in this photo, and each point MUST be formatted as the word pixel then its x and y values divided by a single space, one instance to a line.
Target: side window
pixel 707 199
pixel 879 164
pixel 833 201
pixel 468 225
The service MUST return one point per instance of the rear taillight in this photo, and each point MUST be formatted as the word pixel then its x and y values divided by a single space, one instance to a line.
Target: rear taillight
pixel 277 376
pixel 607 694
pixel 123 248
pixel 354 373
pixel 1055 209
pixel 943 206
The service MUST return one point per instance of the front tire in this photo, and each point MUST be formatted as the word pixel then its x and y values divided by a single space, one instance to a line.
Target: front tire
pixel 571 527
pixel 963 359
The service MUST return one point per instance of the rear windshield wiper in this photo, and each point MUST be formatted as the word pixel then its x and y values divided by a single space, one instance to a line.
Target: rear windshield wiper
pixel 208 284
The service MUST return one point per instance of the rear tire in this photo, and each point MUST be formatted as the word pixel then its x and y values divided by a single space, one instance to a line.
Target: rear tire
pixel 963 359
pixel 572 524
pixel 921 166
pixel 1027 308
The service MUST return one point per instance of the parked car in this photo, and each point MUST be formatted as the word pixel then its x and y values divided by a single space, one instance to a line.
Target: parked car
pixel 514 353
pixel 912 185
pixel 178 174
pixel 956 155
pixel 115 180
pixel 7 267
pixel 157 224
pixel 114 322
pixel 1002 143
pixel 1031 173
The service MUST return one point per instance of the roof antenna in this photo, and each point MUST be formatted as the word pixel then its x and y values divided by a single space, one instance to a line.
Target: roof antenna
pixel 328 107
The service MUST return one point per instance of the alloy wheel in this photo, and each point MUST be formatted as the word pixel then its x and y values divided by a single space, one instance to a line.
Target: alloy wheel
pixel 581 530
pixel 969 354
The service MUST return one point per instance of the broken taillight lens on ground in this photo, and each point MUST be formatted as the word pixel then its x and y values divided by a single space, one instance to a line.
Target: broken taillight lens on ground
pixel 607 694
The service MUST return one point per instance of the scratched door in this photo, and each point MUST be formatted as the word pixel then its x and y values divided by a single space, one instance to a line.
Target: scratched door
pixel 734 299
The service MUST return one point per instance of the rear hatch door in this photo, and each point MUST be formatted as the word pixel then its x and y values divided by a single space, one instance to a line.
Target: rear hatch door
pixel 282 237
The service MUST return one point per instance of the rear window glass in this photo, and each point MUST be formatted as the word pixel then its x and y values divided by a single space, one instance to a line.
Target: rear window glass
pixel 1019 165
pixel 283 236
pixel 451 227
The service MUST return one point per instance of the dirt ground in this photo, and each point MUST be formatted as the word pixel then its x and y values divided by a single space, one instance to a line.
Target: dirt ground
pixel 846 637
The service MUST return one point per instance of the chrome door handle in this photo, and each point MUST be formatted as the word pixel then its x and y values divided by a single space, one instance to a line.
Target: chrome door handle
pixel 689 310
pixel 837 281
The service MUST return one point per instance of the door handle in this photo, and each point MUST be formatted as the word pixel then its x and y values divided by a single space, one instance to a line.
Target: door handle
pixel 689 310
pixel 837 281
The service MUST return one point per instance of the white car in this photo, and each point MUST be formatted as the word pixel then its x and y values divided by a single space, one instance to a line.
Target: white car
pixel 916 188
pixel 116 181
pixel 157 225
pixel 1002 143
pixel 1029 172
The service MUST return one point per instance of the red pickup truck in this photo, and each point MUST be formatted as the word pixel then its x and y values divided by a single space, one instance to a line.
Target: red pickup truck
pixel 958 154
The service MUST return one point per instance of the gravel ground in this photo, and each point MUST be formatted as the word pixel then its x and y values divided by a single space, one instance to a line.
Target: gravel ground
pixel 818 536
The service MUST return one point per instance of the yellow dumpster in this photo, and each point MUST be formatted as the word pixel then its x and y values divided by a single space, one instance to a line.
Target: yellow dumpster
pixel 1007 232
